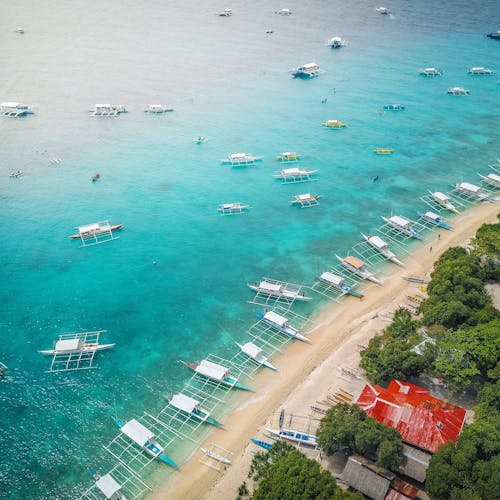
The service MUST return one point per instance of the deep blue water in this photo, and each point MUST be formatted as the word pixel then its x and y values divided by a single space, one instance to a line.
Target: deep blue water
pixel 227 80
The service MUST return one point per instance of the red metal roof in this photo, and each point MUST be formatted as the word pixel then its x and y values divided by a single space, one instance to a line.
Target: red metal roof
pixel 421 419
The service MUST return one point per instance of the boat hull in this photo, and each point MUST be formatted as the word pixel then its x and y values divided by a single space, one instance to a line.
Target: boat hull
pixel 285 294
pixel 116 227
pixel 88 348
pixel 263 444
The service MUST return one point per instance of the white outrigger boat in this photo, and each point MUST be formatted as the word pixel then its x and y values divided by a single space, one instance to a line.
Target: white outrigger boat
pixel 430 72
pixel 443 200
pixel 491 179
pixel 193 408
pixel 309 70
pixel 157 109
pixel 216 456
pixel 306 200
pixel 480 71
pixel 295 174
pixel 336 42
pixel 458 91
pixel 225 13
pixel 472 191
pixel 281 324
pixel 283 12
pixel 276 290
pixel 255 352
pixel 108 109
pixel 144 438
pixel 216 372
pixel 435 219
pixel 336 281
pixel 75 345
pixel 403 226
pixel 240 159
pixel 358 267
pixel 383 10
pixel 294 436
pixel 15 109
pixel 381 246
pixel 232 208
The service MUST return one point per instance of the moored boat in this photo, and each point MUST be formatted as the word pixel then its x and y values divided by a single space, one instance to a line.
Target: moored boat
pixel 336 42
pixel 15 109
pixel 334 124
pixel 144 438
pixel 443 200
pixel 277 290
pixel 20 31
pixel 281 324
pixel 306 200
pixel 255 352
pixel 232 208
pixel 283 12
pixel 226 13
pixel 491 179
pixel 288 156
pixel 381 246
pixel 357 266
pixel 94 229
pixel 294 436
pixel 294 173
pixel 430 72
pixel 472 191
pixel 158 109
pixel 263 444
pixel 108 109
pixel 494 34
pixel 394 107
pixel 241 159
pixel 458 91
pixel 435 219
pixel 75 345
pixel 216 456
pixel 193 408
pixel 479 70
pixel 338 282
pixel 308 70
pixel 382 151
pixel 382 10
pixel 216 372
pixel 403 225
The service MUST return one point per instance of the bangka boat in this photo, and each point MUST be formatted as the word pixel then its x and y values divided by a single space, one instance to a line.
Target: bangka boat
pixel 294 436
pixel 308 70
pixel 394 107
pixel 480 71
pixel 334 124
pixel 288 156
pixel 435 219
pixel 494 34
pixel 94 230
pixel 216 372
pixel 226 13
pixel 283 12
pixel 382 10
pixel 241 159
pixel 306 200
pixel 339 282
pixel 281 324
pixel 17 174
pixel 472 191
pixel 382 151
pixel 295 174
pixel 232 208
pixel 255 352
pixel 336 42
pixel 443 200
pixel 216 456
pixel 158 109
pixel 357 266
pixel 15 109
pixel 263 444
pixel 381 246
pixel 108 110
pixel 75 345
pixel 277 290
pixel 491 179
pixel 431 72
pixel 144 438
pixel 193 408
pixel 458 91
pixel 19 30
pixel 403 225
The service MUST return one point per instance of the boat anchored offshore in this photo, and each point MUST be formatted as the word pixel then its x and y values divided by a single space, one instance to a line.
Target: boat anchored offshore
pixel 281 324
pixel 232 208
pixel 226 13
pixel 381 246
pixel 240 159
pixel 75 345
pixel 255 352
pixel 276 290
pixel 15 109
pixel 435 219
pixel 305 200
pixel 336 42
pixel 382 151
pixel 97 232
pixel 309 70
pixel 495 35
pixel 283 12
pixel 491 179
pixel 334 124
pixel 382 10
pixel 108 110
pixel 294 175
pixel 430 72
pixel 336 281
pixel 480 71
pixel 403 226
pixel 472 191
pixel 443 200
pixel 193 408
pixel 157 109
pixel 357 266
pixel 144 438
pixel 217 373
pixel 458 91
pixel 394 107
pixel 288 157
pixel 294 436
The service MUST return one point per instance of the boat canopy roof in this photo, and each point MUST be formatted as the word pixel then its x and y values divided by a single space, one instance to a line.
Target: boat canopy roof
pixel 469 187
pixel 275 318
pixel 67 344
pixel 378 242
pixel 184 403
pixel 494 177
pixel 290 171
pixel 10 104
pixel 229 205
pixel 88 227
pixel 332 278
pixel 251 349
pixel 271 287
pixel 212 370
pixel 108 485
pixel 137 432
pixel 432 215
pixel 440 196
pixel 400 221
pixel 305 196
pixel 354 262
pixel 238 155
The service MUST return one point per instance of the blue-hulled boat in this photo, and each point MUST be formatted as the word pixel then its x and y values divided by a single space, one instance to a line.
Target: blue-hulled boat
pixel 435 219
pixel 262 444
pixel 394 107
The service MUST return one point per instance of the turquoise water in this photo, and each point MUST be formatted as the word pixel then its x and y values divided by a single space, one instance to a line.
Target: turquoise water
pixel 227 80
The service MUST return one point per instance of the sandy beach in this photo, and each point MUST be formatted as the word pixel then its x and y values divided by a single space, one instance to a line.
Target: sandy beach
pixel 310 373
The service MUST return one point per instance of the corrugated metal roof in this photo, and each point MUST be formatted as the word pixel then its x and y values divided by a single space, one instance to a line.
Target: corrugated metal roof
pixel 421 419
